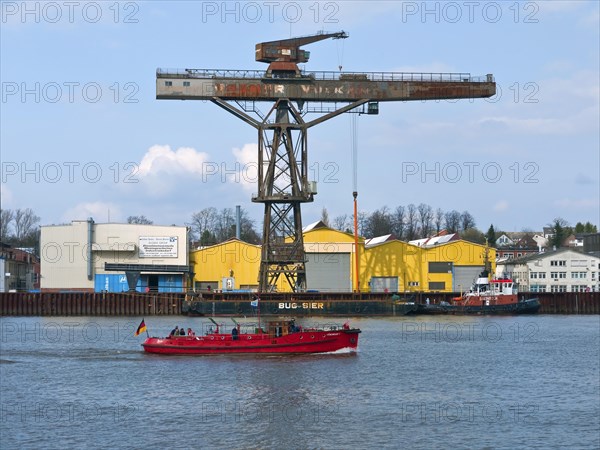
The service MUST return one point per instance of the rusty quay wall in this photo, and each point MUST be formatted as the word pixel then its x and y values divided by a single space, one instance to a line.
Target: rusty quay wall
pixel 136 304
pixel 89 304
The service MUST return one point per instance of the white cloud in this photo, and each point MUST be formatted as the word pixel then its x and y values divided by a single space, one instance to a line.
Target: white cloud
pixel 501 206
pixel 527 125
pixel 161 159
pixel 6 196
pixel 99 211
pixel 247 167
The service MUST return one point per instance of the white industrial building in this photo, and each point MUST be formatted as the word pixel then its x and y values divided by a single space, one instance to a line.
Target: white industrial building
pixel 563 270
pixel 114 257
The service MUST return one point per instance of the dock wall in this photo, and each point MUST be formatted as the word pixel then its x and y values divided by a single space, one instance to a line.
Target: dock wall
pixel 137 304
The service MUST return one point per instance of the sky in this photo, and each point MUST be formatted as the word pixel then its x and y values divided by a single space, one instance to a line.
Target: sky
pixel 83 135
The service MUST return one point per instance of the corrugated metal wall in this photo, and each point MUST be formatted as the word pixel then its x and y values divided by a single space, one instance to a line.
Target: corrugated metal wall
pixel 464 277
pixel 328 272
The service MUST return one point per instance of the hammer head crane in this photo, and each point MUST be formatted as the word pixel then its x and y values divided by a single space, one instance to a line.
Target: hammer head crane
pixel 284 55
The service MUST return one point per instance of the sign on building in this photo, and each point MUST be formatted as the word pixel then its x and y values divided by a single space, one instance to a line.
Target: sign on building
pixel 158 247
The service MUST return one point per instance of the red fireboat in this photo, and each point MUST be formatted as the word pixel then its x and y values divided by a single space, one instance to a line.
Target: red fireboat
pixel 280 337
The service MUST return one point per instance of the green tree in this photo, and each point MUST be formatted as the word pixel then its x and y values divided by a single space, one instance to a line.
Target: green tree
pixel 473 235
pixel 561 230
pixel 491 236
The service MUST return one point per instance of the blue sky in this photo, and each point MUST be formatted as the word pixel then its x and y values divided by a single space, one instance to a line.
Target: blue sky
pixel 83 135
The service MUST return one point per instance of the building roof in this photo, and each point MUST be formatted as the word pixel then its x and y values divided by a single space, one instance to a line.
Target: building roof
pixel 379 240
pixel 314 225
pixel 436 240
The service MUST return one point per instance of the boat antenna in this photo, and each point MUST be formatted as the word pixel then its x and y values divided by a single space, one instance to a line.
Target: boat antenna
pixel 487 263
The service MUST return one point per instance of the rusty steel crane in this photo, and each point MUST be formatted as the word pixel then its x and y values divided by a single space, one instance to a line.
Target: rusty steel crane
pixel 284 55
pixel 283 183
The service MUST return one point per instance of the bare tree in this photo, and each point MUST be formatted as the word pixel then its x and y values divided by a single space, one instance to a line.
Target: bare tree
pixel 325 216
pixel 398 222
pixel 362 219
pixel 439 220
pixel 225 226
pixel 411 222
pixel 6 218
pixel 466 221
pixel 139 220
pixel 204 225
pixel 452 221
pixel 342 222
pixel 25 224
pixel 247 231
pixel 425 218
pixel 379 223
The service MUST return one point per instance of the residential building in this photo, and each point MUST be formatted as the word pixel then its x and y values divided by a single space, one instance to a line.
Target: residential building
pixel 19 269
pixel 563 270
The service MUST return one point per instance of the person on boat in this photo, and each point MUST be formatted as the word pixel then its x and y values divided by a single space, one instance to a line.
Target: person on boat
pixel 190 332
pixel 174 331
pixel 182 331
pixel 234 334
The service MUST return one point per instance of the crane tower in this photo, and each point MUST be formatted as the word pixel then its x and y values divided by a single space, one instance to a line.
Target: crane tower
pixel 283 183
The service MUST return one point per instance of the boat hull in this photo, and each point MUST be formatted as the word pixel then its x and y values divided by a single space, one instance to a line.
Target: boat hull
pixel 530 306
pixel 318 341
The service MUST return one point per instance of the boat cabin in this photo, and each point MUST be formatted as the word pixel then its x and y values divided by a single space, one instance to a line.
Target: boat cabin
pixel 278 328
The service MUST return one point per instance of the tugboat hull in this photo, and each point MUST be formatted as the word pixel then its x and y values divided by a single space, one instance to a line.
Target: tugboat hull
pixel 530 306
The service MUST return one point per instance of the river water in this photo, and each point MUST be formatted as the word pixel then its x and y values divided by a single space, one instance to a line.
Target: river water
pixel 416 382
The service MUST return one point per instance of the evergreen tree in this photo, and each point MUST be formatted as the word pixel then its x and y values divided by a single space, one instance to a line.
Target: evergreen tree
pixel 491 236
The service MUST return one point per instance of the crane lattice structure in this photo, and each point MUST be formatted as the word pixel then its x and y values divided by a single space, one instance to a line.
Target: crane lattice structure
pixel 283 183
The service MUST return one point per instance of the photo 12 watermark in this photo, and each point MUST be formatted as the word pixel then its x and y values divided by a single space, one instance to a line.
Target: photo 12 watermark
pixel 54 413
pixel 66 332
pixel 270 12
pixel 471 172
pixel 468 412
pixel 451 12
pixel 71 12
pixel 71 172
pixel 492 332
pixel 231 412
pixel 69 92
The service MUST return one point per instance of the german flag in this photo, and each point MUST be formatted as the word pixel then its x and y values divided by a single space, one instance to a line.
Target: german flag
pixel 141 328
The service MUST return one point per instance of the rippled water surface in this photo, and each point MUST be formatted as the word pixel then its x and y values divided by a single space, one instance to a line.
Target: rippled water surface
pixel 431 382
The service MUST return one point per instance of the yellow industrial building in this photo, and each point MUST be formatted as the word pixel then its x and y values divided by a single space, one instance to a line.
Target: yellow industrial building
pixel 385 265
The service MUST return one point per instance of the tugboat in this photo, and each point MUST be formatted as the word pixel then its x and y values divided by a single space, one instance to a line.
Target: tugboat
pixel 498 296
pixel 280 337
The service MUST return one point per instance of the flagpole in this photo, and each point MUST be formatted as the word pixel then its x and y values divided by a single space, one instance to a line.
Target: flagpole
pixel 258 311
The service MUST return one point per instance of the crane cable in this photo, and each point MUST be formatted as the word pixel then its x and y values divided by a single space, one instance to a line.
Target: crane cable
pixel 340 53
